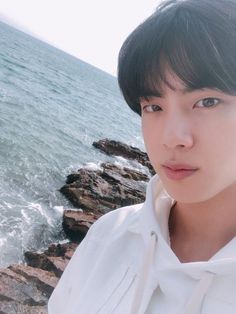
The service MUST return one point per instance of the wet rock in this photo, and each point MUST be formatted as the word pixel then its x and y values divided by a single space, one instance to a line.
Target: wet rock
pixel 76 223
pixel 104 190
pixel 125 172
pixel 44 281
pixel 116 148
pixel 54 259
pixel 49 263
pixel 14 307
pixel 24 289
pixel 63 250
pixel 27 288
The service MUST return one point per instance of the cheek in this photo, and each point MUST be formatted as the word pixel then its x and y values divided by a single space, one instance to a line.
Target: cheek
pixel 150 136
pixel 222 150
pixel 219 142
pixel 214 153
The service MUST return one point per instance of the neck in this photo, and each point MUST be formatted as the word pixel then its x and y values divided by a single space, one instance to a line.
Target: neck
pixel 199 230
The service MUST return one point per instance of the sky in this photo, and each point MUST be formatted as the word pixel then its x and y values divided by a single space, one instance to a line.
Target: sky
pixel 90 30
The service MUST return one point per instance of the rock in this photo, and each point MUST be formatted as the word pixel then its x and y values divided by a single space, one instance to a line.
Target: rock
pixel 125 172
pixel 24 289
pixel 76 224
pixel 54 259
pixel 104 190
pixel 44 281
pixel 27 288
pixel 111 147
pixel 49 263
pixel 14 307
pixel 63 250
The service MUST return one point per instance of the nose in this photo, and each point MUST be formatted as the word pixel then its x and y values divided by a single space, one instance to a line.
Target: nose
pixel 177 132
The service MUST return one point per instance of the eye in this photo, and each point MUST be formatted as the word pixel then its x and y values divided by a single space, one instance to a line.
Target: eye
pixel 151 108
pixel 208 102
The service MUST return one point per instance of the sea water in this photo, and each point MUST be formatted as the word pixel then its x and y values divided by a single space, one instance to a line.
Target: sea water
pixel 52 107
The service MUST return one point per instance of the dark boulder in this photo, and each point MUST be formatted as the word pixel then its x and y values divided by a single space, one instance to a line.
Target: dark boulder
pixel 54 259
pixel 24 289
pixel 116 148
pixel 76 223
pixel 27 288
pixel 104 190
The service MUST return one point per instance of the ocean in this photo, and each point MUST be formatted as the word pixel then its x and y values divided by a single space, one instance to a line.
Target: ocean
pixel 52 107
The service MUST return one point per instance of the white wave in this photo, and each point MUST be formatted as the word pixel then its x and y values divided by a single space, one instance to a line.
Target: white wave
pixel 12 234
pixel 2 241
pixel 132 164
pixel 92 166
pixel 59 209
pixel 39 209
pixel 27 218
pixel 8 205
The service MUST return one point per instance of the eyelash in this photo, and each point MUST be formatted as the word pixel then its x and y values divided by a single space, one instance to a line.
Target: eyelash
pixel 145 108
pixel 211 98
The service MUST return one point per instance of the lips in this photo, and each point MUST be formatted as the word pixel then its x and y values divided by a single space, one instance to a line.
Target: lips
pixel 175 166
pixel 178 171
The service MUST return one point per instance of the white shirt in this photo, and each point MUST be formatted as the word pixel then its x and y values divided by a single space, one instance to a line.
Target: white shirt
pixel 125 265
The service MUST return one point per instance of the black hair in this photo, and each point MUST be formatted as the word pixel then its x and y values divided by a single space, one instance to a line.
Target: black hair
pixel 195 39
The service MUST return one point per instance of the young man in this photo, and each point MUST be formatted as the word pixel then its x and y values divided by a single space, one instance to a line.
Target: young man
pixel 176 253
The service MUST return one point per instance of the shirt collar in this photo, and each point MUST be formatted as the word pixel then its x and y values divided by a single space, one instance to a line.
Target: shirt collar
pixel 155 211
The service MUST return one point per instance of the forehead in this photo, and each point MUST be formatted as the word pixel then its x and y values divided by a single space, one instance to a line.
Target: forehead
pixel 170 81
pixel 173 82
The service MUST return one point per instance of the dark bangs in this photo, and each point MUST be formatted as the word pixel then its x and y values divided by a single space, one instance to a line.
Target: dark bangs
pixel 194 39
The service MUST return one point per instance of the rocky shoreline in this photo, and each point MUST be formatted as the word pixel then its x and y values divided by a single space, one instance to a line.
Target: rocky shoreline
pixel 26 288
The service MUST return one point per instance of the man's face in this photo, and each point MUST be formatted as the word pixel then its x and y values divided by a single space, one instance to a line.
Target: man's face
pixel 197 128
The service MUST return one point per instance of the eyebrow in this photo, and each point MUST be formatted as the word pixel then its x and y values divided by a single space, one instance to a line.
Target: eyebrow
pixel 184 91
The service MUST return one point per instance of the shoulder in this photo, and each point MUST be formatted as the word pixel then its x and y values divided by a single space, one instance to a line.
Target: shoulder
pixel 117 220
pixel 93 261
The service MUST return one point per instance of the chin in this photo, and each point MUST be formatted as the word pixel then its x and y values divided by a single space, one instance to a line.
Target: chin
pixel 185 194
